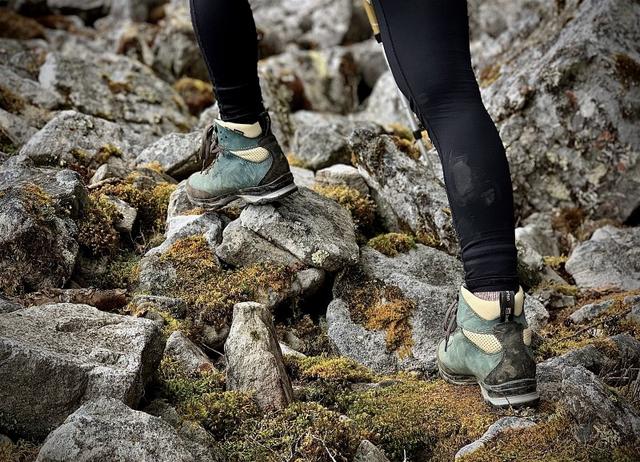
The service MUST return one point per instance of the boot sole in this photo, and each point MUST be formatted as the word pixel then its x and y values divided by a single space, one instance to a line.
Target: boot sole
pixel 516 393
pixel 278 189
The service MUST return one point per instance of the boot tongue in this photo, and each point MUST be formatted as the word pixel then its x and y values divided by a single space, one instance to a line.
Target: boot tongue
pixel 247 130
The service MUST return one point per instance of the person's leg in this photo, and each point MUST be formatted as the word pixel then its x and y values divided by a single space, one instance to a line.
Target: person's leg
pixel 427 43
pixel 241 157
pixel 227 37
pixel 487 340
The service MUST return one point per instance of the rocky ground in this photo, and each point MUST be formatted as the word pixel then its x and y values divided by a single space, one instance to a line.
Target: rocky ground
pixel 134 326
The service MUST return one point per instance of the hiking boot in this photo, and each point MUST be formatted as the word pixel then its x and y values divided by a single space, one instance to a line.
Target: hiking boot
pixel 488 343
pixel 240 161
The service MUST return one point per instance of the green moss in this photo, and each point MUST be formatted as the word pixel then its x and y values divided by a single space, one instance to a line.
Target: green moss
pixel 151 201
pixel 391 244
pixel 361 207
pixel 561 336
pixel 428 238
pixel 338 368
pixel 96 229
pixel 551 440
pixel 425 419
pixel 211 291
pixel 303 432
pixel 21 451
pixel 628 69
pixel 123 271
pixel 6 145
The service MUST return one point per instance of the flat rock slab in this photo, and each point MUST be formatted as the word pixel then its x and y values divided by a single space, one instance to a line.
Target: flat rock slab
pixel 611 258
pixel 54 358
pixel 106 430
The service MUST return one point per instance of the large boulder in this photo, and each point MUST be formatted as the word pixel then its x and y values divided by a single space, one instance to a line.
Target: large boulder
pixel 314 229
pixel 409 196
pixel 74 138
pixel 254 358
pixel 611 258
pixel 38 246
pixel 56 357
pixel 563 98
pixel 118 89
pixel 107 430
pixel 388 311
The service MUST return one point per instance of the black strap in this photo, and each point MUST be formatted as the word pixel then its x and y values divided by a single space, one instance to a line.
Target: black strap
pixel 507 305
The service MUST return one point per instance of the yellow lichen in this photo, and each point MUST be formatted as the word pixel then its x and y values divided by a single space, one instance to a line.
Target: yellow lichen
pixel 295 161
pixel 391 244
pixel 361 207
pixel 489 74
pixel 378 306
pixel 407 146
pixel 197 94
pixel 555 262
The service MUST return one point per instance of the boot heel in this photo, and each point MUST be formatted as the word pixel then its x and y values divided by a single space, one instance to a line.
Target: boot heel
pixel 516 393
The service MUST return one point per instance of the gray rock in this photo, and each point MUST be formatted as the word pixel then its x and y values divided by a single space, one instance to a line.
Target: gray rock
pixel 23 57
pixel 408 196
pixel 177 153
pixel 114 168
pixel 38 246
pixel 368 452
pixel 8 306
pixel 179 202
pixel 118 89
pixel 187 353
pixel 14 129
pixel 558 93
pixel 28 90
pixel 127 213
pixel 494 431
pixel 314 229
pixel 107 430
pixel 325 80
pixel 288 351
pixel 634 302
pixel 531 266
pixel 75 138
pixel 535 312
pixel 621 355
pixel 369 60
pixel 307 23
pixel 590 404
pixel 611 258
pixel 208 116
pixel 242 247
pixel 427 278
pixel 590 311
pixel 174 306
pixel 384 105
pixel 321 145
pixel 302 177
pixel 342 175
pixel 175 49
pixel 254 359
pixel 59 356
pixel 198 441
pixel 541 239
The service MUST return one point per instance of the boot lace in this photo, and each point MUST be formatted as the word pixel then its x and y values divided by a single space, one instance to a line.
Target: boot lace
pixel 450 323
pixel 210 149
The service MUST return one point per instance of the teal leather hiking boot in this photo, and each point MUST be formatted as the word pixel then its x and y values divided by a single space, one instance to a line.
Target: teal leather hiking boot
pixel 488 343
pixel 236 164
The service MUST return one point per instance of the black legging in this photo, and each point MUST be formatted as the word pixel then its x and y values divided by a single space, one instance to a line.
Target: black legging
pixel 427 43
